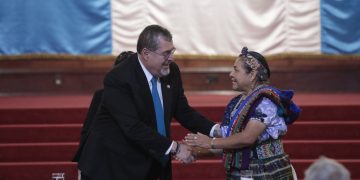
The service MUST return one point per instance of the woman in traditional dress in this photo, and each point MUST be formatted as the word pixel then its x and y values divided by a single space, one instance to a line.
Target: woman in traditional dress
pixel 254 123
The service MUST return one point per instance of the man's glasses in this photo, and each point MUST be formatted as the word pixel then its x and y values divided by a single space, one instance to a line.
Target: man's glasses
pixel 166 55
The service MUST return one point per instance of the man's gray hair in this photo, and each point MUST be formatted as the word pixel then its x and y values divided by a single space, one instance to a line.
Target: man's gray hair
pixel 327 169
pixel 149 37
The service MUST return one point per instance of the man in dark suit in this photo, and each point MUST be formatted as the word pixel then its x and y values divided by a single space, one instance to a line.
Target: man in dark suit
pixel 94 106
pixel 130 135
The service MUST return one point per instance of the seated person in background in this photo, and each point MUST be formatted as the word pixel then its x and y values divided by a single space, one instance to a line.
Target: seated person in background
pixel 254 123
pixel 95 102
pixel 326 169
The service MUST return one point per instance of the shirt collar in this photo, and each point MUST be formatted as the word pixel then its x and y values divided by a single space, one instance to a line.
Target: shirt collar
pixel 148 75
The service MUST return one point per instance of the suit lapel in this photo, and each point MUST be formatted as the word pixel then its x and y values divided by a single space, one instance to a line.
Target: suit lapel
pixel 143 90
pixel 166 94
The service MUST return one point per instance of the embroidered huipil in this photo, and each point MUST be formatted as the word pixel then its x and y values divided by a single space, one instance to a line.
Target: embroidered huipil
pixel 275 109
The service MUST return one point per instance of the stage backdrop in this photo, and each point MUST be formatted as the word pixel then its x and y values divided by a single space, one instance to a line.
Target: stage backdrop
pixel 199 27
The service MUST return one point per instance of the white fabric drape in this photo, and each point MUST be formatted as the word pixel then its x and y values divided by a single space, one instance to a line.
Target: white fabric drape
pixel 212 27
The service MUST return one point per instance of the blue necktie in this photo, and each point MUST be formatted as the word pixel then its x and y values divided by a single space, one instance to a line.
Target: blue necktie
pixel 160 120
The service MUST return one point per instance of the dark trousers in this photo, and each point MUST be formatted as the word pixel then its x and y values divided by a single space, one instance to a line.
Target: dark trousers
pixel 84 177
pixel 157 172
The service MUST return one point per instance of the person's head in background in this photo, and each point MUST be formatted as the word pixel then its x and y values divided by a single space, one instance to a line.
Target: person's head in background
pixel 122 56
pixel 327 169
pixel 156 50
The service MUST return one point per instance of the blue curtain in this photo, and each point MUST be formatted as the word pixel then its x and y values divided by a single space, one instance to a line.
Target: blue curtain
pixel 55 26
pixel 340 26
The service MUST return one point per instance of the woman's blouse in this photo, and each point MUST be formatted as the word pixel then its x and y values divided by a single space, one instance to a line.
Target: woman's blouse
pixel 266 112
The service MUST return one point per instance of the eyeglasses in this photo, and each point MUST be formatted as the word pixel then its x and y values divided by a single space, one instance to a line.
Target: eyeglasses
pixel 166 55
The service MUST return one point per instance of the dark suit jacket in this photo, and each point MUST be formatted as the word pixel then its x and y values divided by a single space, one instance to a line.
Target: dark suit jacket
pixel 94 106
pixel 123 142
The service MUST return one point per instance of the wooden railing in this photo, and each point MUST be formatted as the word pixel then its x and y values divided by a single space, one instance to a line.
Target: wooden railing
pixel 64 74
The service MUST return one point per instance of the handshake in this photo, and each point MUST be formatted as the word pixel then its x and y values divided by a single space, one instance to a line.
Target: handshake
pixel 183 152
pixel 195 145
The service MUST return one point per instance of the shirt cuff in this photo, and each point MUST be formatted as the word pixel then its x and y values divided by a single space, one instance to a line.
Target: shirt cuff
pixel 169 150
pixel 213 129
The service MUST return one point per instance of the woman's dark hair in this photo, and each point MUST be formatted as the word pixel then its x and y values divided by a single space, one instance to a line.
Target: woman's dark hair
pixel 263 70
pixel 122 56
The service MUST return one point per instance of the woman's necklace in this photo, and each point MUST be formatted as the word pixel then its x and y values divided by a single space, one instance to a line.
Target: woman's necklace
pixel 243 97
pixel 237 105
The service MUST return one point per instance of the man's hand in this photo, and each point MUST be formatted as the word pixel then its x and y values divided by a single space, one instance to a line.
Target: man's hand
pixel 184 154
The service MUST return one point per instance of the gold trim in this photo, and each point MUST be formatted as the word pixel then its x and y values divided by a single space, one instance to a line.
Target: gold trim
pixel 56 57
pixel 185 57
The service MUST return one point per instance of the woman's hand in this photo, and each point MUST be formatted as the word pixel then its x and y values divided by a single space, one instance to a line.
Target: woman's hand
pixel 199 140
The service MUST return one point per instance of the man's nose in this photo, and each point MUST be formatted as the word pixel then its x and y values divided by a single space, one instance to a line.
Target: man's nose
pixel 171 58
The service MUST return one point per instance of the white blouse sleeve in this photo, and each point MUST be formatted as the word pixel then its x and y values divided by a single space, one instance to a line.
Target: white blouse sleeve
pixel 266 112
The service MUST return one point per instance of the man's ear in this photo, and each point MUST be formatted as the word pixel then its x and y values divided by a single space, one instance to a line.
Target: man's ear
pixel 145 54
